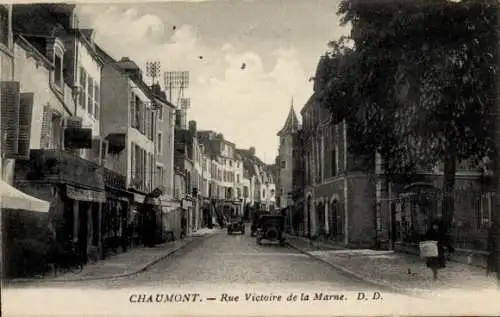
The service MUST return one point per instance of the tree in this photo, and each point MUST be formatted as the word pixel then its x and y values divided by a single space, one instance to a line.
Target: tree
pixel 432 59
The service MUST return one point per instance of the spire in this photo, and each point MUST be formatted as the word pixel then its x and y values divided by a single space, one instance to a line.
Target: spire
pixel 291 123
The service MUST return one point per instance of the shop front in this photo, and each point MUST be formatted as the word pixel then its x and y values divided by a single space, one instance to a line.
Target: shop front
pixel 74 187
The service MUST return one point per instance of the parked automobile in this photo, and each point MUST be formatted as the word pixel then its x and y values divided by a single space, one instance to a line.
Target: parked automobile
pixel 271 228
pixel 235 224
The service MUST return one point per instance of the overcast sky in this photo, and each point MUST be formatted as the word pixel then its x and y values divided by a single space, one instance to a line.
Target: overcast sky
pixel 280 41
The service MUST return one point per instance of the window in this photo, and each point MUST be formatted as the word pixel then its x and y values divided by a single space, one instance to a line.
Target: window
pixel 152 126
pixel 97 101
pixel 132 160
pixel 4 25
pixel 58 75
pixel 238 178
pixel 83 87
pixel 138 106
pixel 160 112
pixel 230 163
pixel 283 164
pixel 263 193
pixel 90 95
pixel 159 175
pixel 148 124
pixel 160 140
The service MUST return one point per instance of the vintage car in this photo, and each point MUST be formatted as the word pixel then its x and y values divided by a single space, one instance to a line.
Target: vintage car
pixel 235 224
pixel 270 228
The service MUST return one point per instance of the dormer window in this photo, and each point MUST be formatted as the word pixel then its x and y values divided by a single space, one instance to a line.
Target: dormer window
pixel 58 70
pixel 56 48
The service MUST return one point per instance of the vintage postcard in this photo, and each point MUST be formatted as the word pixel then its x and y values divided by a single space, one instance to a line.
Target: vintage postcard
pixel 250 158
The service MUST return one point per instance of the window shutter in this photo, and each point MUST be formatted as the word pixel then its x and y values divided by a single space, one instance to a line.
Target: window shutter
pixel 9 100
pixel 132 160
pixel 46 127
pixel 143 118
pixel 25 116
pixel 132 110
pixel 148 123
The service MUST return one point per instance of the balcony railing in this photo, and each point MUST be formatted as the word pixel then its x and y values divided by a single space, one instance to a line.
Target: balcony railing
pixel 114 179
pixel 57 166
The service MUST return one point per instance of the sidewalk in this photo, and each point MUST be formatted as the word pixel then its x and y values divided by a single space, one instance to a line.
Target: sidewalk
pixel 399 271
pixel 124 264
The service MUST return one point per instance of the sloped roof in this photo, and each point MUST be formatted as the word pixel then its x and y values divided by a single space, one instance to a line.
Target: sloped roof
pixel 291 123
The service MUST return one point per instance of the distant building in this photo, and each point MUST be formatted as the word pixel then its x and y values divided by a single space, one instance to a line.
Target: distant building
pixel 285 158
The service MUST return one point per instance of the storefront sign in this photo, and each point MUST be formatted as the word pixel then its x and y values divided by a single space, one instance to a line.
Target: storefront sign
pixel 138 198
pixel 81 194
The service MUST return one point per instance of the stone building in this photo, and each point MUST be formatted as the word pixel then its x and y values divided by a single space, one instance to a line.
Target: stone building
pixel 339 188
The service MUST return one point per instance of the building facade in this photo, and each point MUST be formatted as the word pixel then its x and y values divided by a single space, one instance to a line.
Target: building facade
pixel 65 148
pixel 339 189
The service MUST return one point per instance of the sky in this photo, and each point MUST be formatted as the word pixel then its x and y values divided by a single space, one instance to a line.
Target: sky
pixel 279 41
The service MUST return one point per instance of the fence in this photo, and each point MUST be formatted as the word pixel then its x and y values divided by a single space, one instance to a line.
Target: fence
pixel 406 218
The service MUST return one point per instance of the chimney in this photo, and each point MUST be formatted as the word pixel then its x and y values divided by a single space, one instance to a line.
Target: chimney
pixel 252 150
pixel 180 119
pixel 192 127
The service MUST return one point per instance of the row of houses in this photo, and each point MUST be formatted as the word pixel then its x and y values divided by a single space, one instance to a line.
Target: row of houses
pixel 88 142
pixel 331 193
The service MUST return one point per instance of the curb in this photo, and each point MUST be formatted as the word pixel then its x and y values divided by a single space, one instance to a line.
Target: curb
pixel 358 276
pixel 115 276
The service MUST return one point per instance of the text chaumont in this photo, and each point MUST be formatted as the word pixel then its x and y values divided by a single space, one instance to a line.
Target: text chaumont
pixel 164 298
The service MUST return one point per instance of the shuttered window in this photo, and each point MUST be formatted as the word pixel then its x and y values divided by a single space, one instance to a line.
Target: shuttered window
pixel 58 71
pixel 46 127
pixel 148 123
pixel 143 169
pixel 97 101
pixel 132 110
pixel 153 125
pixel 9 101
pixel 90 95
pixel 132 160
pixel 82 97
pixel 25 116
pixel 143 118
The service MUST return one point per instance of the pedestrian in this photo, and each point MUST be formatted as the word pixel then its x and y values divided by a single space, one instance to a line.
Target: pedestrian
pixel 491 248
pixel 183 226
pixel 438 232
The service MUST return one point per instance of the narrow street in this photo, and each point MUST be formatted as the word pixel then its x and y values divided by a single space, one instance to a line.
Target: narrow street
pixel 224 264
pixel 228 259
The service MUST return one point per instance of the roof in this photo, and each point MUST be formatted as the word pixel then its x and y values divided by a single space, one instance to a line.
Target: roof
pixel 119 66
pixel 291 123
pixel 309 102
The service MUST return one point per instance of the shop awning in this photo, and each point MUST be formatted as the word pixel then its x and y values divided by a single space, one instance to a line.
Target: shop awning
pixel 13 198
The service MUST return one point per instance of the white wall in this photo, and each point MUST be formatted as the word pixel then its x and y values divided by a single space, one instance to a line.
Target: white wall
pixel 93 69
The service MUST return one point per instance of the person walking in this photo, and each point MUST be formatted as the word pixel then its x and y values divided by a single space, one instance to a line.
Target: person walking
pixel 491 248
pixel 437 232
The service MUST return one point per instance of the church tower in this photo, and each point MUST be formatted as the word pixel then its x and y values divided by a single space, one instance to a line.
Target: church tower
pixel 285 157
